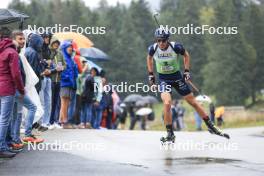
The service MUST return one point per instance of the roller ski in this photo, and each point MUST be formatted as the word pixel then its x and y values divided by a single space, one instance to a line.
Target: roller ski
pixel 214 130
pixel 169 139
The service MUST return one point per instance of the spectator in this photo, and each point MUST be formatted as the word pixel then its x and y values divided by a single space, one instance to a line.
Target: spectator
pixel 87 99
pixel 212 112
pixel 80 87
pixel 97 106
pixel 77 60
pixel 68 83
pixel 180 115
pixel 10 79
pixel 45 92
pixel 219 113
pixel 33 55
pixel 79 91
pixel 108 105
pixel 132 114
pixel 46 52
pixel 58 66
pixel 116 102
pixel 121 114
pixel 175 122
pixel 16 143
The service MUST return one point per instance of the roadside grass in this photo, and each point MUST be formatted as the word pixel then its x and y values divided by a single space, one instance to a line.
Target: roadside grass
pixel 236 119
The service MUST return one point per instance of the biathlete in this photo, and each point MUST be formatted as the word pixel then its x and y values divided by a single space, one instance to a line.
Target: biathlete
pixel 165 54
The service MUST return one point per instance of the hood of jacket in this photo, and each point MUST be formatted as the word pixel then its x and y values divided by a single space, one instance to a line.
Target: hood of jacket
pixel 64 47
pixel 36 42
pixel 53 40
pixel 5 43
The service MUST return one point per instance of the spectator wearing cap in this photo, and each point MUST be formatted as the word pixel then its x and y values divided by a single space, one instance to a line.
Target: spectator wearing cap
pixel 45 92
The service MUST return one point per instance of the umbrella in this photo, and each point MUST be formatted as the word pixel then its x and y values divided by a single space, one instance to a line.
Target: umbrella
pixel 151 99
pixel 144 111
pixel 93 65
pixel 133 98
pixel 79 39
pixel 94 54
pixel 203 98
pixel 10 16
pixel 142 102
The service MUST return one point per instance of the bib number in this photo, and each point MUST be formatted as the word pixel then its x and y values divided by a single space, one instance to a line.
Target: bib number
pixel 167 68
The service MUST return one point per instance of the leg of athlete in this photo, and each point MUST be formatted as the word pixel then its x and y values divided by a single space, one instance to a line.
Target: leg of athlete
pixel 211 127
pixel 166 98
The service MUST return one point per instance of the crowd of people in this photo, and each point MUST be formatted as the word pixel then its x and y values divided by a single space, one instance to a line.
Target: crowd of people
pixel 46 84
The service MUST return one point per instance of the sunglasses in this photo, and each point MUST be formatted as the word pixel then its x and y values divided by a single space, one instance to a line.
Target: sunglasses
pixel 162 40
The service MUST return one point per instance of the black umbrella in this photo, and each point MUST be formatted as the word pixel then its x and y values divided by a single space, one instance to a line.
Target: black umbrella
pixel 133 98
pixel 10 16
pixel 94 54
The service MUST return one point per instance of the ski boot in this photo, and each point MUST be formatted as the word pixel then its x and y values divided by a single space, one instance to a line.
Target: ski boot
pixel 214 130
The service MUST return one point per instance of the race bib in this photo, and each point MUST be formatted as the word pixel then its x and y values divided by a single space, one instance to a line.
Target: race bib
pixel 167 68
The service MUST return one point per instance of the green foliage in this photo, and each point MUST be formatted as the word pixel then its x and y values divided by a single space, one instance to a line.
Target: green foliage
pixel 228 67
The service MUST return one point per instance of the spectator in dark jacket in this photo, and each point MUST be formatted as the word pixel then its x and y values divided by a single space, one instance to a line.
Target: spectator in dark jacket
pixel 58 66
pixel 10 80
pixel 46 52
pixel 45 92
pixel 87 98
pixel 33 55
pixel 68 82
pixel 97 105
pixel 212 112
pixel 108 105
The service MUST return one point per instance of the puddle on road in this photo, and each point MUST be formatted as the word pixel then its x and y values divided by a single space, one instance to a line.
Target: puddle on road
pixel 200 160
pixel 135 165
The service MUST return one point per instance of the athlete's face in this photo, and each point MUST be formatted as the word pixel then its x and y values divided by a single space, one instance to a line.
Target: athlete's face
pixel 163 43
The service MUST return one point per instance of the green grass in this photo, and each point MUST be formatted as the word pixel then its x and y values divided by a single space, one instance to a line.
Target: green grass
pixel 248 118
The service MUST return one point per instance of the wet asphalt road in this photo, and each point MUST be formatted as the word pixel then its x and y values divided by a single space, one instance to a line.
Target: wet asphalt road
pixel 104 152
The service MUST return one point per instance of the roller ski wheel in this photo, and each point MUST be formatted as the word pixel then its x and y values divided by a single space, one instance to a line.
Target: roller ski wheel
pixel 170 139
pixel 214 130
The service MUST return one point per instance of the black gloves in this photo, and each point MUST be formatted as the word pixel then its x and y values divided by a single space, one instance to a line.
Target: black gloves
pixel 151 78
pixel 187 75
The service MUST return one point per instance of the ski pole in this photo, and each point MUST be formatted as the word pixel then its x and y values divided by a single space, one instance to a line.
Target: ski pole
pixel 195 88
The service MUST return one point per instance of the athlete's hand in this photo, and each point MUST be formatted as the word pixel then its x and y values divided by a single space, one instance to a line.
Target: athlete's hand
pixel 187 75
pixel 151 78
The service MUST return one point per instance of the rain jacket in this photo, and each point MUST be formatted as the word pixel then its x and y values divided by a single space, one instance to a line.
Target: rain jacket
pixel 70 74
pixel 33 54
pixel 56 58
pixel 10 75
